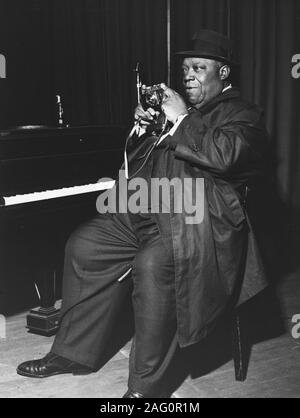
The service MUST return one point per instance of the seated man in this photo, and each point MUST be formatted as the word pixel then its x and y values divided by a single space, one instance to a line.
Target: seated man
pixel 184 271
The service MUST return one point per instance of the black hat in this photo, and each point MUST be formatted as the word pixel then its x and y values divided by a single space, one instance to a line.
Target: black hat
pixel 210 44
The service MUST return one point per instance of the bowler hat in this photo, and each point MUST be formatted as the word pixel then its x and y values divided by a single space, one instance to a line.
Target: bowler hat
pixel 210 44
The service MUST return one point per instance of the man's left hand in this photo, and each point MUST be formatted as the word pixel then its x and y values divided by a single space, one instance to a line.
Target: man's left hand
pixel 173 104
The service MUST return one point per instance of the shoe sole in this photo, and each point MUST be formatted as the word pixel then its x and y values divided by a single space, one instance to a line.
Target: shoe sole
pixel 75 373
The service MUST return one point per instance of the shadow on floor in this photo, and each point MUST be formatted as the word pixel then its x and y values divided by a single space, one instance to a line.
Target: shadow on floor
pixel 260 320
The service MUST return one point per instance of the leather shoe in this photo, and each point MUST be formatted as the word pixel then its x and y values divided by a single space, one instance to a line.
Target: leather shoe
pixel 51 365
pixel 132 394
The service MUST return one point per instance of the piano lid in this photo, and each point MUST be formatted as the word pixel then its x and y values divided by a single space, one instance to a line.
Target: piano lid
pixel 28 127
pixel 65 129
pixel 25 128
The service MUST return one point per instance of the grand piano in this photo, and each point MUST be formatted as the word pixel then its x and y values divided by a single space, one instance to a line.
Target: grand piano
pixel 48 186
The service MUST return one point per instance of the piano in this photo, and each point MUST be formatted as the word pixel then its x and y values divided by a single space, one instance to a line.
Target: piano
pixel 48 186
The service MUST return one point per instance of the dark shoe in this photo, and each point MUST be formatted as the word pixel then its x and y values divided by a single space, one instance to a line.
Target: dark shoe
pixel 131 394
pixel 51 365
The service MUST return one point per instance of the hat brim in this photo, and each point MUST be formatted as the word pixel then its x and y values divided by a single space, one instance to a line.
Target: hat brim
pixel 206 55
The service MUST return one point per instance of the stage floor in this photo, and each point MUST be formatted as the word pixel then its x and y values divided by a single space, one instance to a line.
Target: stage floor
pixel 274 369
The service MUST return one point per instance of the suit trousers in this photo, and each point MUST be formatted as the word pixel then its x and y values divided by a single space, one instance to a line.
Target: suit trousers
pixel 97 255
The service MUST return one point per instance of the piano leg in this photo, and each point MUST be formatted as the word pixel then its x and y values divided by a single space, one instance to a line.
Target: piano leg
pixel 45 319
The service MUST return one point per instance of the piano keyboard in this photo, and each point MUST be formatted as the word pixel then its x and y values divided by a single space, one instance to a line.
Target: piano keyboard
pixel 53 194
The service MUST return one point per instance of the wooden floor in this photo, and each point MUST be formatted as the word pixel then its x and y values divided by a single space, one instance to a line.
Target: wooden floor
pixel 274 369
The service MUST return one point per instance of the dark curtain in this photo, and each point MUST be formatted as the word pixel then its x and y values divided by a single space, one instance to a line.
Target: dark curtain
pixel 98 43
pixel 267 38
pixel 25 93
pixel 266 33
pixel 86 51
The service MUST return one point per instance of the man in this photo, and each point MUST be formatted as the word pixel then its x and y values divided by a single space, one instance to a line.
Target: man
pixel 184 274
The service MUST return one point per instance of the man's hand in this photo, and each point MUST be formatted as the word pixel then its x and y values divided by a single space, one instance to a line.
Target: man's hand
pixel 145 117
pixel 173 104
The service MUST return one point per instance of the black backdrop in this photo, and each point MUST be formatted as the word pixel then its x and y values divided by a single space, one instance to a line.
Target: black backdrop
pixel 86 50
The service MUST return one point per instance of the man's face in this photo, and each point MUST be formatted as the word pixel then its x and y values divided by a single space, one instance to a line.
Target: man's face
pixel 201 79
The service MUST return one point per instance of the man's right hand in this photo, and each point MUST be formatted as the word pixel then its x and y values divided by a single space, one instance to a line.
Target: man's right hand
pixel 145 117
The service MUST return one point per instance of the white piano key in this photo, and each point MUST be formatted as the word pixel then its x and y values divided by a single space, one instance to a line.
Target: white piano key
pixel 53 194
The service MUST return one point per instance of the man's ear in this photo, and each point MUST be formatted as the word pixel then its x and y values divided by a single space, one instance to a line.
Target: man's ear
pixel 224 72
